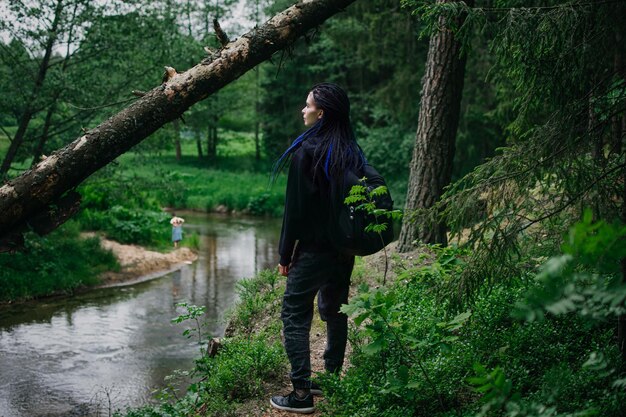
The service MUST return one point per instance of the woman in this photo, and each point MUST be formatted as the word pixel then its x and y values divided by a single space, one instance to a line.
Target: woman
pixel 307 258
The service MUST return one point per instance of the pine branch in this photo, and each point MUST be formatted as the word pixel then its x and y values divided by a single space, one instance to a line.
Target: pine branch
pixel 572 200
pixel 569 5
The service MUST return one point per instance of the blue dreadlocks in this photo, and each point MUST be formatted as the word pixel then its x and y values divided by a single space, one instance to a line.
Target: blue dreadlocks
pixel 338 149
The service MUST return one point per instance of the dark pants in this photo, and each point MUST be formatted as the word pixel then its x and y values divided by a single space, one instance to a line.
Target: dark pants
pixel 327 275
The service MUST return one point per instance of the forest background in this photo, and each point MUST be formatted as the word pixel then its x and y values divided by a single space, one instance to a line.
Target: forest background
pixel 540 142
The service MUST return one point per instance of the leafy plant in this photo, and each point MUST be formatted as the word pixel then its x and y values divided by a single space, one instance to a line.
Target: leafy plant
pixel 366 199
pixel 192 313
pixel 257 295
pixel 40 270
pixel 499 396
pixel 585 279
pixel 386 329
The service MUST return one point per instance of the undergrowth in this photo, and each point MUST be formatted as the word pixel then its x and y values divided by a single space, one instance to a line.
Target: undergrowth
pixel 533 347
pixel 542 345
pixel 60 262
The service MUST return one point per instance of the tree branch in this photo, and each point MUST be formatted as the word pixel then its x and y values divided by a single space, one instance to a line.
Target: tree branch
pixel 571 201
pixel 8 135
pixel 24 197
pixel 569 5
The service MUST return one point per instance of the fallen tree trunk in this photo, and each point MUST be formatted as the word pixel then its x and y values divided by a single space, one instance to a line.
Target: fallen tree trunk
pixel 36 191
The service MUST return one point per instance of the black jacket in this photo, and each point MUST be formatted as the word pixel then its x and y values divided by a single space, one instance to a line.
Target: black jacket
pixel 307 204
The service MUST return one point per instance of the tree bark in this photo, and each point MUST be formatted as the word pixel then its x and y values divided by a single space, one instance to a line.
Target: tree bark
pixel 52 108
pixel 199 146
pixel 30 105
pixel 431 164
pixel 618 130
pixel 37 189
pixel 44 134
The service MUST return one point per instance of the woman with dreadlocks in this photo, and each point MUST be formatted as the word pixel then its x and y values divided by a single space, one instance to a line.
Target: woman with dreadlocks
pixel 312 266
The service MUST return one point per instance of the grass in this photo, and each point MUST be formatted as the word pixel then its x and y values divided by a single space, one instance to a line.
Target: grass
pixel 40 271
pixel 4 144
pixel 233 181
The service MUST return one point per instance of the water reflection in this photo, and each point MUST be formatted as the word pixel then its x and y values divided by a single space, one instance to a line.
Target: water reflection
pixel 69 357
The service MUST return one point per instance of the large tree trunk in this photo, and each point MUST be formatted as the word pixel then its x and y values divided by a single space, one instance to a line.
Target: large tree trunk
pixel 431 165
pixel 618 130
pixel 29 111
pixel 52 108
pixel 44 134
pixel 199 146
pixel 36 190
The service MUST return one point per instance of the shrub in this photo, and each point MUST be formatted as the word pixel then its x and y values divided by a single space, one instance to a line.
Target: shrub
pixel 128 225
pixel 39 270
pixel 411 351
pixel 238 371
pixel 257 295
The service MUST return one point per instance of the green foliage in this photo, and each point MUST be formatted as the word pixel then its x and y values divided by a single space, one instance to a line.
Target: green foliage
pixel 431 14
pixel 586 279
pixel 402 353
pixel 362 198
pixel 192 313
pixel 121 206
pixel 239 370
pixel 366 200
pixel 259 295
pixel 498 395
pixel 412 351
pixel 128 225
pixel 389 149
pixel 207 186
pixel 58 263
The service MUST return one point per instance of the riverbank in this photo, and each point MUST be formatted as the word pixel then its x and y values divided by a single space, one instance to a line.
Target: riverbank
pixel 251 364
pixel 412 352
pixel 138 264
pixel 88 261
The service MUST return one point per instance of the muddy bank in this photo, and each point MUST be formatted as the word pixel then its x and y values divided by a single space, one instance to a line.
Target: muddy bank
pixel 139 264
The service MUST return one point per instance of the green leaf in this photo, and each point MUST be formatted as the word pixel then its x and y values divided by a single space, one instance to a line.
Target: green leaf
pixel 620 383
pixel 374 347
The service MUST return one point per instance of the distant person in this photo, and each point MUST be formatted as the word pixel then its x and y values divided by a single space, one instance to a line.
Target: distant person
pixel 307 258
pixel 177 229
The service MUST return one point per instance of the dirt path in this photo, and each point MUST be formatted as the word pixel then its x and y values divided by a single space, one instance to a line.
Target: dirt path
pixel 139 264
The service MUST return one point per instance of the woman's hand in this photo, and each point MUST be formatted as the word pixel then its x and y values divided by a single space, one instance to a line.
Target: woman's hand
pixel 283 270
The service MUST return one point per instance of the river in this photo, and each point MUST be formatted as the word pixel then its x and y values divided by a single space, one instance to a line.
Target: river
pixel 109 349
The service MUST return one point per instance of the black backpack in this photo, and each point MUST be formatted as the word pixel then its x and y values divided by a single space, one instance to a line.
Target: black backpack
pixel 348 223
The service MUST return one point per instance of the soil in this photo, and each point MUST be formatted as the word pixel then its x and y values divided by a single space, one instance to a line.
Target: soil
pixel 139 264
